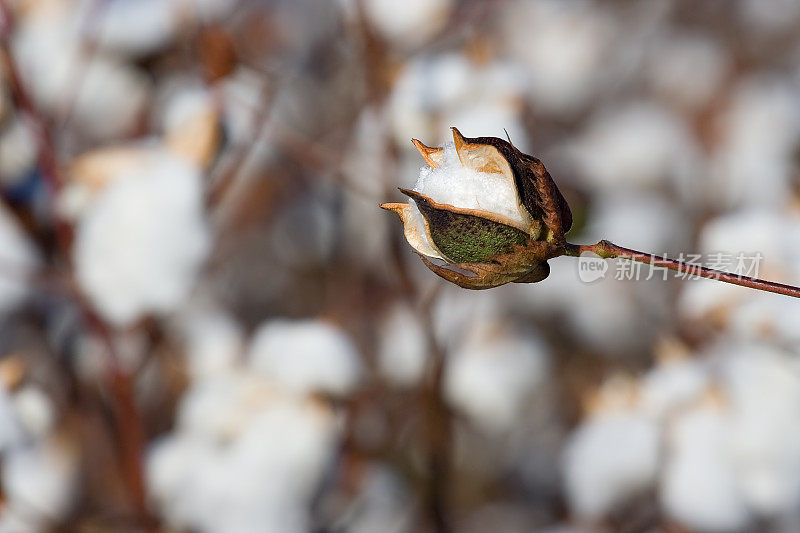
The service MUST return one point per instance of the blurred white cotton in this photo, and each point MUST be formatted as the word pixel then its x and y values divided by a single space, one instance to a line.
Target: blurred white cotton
pixel 565 45
pixel 111 95
pixel 609 459
pixel 491 376
pixel 698 486
pixel 760 130
pixel 638 145
pixel 407 23
pixel 306 356
pixel 141 244
pixel 18 259
pixel 403 349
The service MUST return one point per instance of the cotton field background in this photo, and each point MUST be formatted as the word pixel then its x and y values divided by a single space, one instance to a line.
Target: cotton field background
pixel 207 324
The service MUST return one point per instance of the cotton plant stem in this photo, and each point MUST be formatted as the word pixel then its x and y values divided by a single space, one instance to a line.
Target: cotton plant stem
pixel 609 250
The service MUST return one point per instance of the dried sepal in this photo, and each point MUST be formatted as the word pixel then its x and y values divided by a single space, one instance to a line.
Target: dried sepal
pixel 433 156
pixel 414 229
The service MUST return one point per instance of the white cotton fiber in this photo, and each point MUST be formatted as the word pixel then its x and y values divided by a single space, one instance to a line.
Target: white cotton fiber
pixel 453 184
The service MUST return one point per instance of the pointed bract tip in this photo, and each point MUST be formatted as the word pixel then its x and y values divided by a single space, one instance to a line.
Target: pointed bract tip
pixel 433 156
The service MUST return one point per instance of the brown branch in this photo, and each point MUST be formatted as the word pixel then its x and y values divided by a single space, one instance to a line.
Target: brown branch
pixel 609 250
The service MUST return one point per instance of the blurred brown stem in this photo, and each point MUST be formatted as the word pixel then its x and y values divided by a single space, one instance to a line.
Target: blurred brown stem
pixel 609 250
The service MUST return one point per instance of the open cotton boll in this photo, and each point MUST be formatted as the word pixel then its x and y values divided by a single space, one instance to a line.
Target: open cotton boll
pixel 453 184
pixel 490 377
pixel 698 485
pixel 609 459
pixel 306 356
pixel 141 243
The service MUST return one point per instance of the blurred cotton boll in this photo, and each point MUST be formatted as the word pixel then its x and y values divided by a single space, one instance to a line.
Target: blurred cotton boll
pixel 18 259
pixel 409 23
pixel 639 145
pixel 753 162
pixel 215 343
pixel 111 95
pixel 306 356
pixel 493 373
pixel 141 243
pixel 41 478
pixel 436 92
pixel 698 485
pixel 17 152
pixel 762 386
pixel 262 479
pixel 403 350
pixel 688 69
pixel 609 459
pixel 565 44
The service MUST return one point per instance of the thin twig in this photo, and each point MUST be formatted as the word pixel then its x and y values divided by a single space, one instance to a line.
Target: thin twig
pixel 609 250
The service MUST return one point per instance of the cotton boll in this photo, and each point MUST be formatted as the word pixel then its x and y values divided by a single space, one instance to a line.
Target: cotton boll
pixel 140 245
pixel 453 184
pixel 171 469
pixel 410 23
pixel 191 125
pixel 18 258
pixel 639 145
pixel 457 312
pixel 110 96
pixel 12 433
pixel 136 28
pixel 490 377
pixel 382 504
pixel 217 409
pixel 565 45
pixel 40 477
pixel 698 485
pixel 215 342
pixel 671 385
pixel 608 460
pixel 762 386
pixel 403 347
pixel 688 69
pixel 34 411
pixel 306 356
pixel 760 130
pixel 17 152
pixel 111 99
pixel 263 480
pixel 769 16
pixel 765 316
